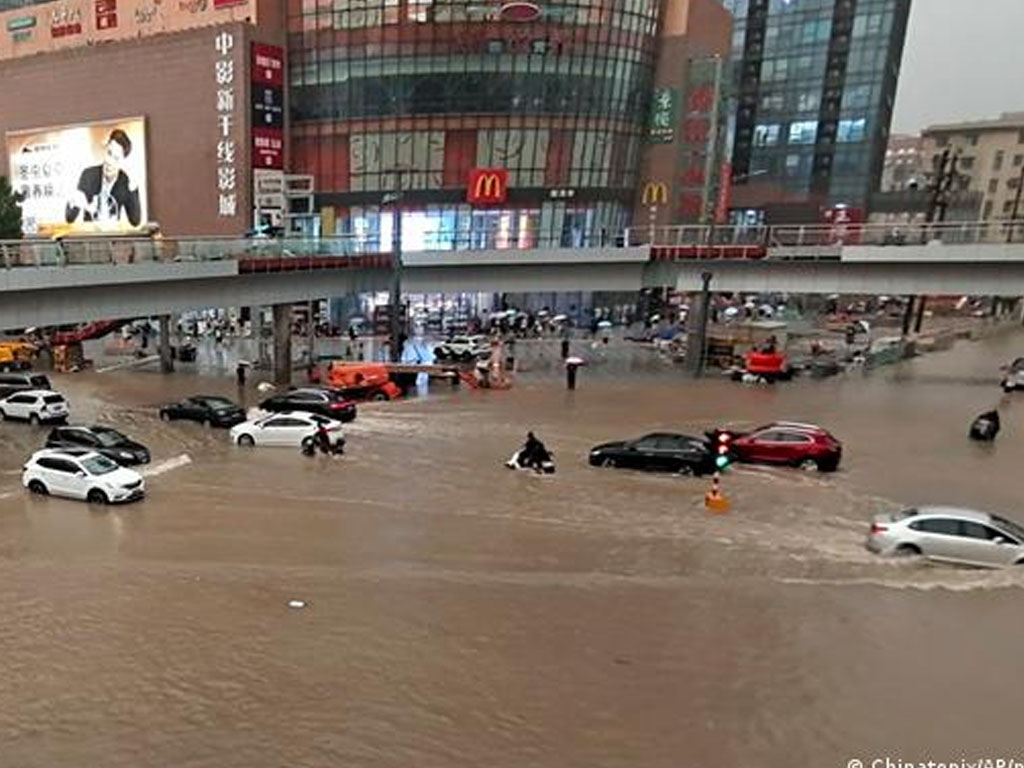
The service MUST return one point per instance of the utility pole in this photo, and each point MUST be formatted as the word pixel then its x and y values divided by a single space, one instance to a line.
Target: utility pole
pixel 1016 207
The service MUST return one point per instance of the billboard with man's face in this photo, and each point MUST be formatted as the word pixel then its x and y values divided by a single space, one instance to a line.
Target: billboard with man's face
pixel 81 179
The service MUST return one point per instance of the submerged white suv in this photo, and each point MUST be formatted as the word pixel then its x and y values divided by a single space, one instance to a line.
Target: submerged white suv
pixel 81 474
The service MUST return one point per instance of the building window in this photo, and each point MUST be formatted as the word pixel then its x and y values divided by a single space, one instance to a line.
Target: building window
pixel 993 186
pixel 808 101
pixel 1020 137
pixel 1013 183
pixel 997 162
pixel 988 210
pixel 766 135
pixel 1008 207
pixel 803 132
pixel 852 130
pixel 973 140
pixel 966 163
pixel 1018 160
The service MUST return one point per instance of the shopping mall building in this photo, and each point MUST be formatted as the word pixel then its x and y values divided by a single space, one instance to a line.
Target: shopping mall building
pixel 487 124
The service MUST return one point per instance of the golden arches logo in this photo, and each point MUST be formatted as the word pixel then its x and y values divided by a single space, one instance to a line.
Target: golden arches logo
pixel 655 193
pixel 488 187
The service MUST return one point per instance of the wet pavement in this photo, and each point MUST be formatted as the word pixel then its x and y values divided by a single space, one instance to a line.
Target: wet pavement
pixel 459 614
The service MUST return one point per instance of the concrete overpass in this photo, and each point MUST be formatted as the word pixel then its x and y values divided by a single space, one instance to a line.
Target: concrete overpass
pixel 44 283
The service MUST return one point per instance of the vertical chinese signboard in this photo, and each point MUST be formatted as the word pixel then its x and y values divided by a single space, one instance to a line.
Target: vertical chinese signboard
pixel 662 121
pixel 227 147
pixel 267 106
pixel 701 148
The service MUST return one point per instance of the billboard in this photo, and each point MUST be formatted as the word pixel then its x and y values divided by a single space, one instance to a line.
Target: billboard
pixel 267 102
pixel 81 179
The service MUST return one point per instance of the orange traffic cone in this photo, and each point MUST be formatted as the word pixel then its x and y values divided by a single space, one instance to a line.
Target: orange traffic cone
pixel 714 499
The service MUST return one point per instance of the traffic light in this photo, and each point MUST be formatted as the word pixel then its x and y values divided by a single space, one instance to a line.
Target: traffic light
pixel 723 450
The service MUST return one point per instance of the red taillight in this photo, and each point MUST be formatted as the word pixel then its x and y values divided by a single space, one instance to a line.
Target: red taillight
pixel 879 528
pixel 338 406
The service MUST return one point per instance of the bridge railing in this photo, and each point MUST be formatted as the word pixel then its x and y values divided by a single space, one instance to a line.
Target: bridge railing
pixel 821 235
pixel 712 240
pixel 129 250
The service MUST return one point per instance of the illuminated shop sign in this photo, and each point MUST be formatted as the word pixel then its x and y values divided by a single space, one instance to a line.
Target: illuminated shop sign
pixel 487 185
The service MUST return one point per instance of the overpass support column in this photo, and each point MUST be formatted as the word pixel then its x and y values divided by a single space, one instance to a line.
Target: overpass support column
pixel 166 361
pixel 697 331
pixel 919 321
pixel 908 316
pixel 282 344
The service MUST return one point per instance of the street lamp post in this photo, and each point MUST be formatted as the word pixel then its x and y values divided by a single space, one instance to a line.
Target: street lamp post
pixel 395 299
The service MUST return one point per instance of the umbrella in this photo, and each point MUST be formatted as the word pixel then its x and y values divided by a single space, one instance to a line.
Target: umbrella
pixel 604 324
pixel 559 318
pixel 575 361
pixel 731 311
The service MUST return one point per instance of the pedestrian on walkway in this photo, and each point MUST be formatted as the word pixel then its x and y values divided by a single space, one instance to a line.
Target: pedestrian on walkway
pixel 240 374
pixel 565 348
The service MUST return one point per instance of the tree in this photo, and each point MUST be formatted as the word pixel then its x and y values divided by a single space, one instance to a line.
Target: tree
pixel 10 211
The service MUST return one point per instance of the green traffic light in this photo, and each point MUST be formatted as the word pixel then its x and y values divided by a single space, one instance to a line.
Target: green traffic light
pixel 722 462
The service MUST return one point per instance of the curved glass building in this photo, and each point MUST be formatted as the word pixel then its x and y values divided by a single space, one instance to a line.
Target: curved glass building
pixel 493 125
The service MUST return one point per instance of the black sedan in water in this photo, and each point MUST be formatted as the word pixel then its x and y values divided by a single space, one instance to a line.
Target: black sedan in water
pixel 206 409
pixel 331 403
pixel 663 451
pixel 104 440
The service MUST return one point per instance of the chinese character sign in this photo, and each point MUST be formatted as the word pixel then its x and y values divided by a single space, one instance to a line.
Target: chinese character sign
pixel 224 101
pixel 81 179
pixel 662 120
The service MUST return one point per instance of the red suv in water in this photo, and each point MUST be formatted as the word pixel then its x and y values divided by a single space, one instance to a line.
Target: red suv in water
pixel 797 445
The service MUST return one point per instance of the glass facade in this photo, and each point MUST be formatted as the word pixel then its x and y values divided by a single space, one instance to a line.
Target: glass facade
pixel 815 83
pixel 411 95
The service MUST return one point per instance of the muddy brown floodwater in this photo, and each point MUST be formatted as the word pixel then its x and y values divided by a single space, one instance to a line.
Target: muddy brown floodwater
pixel 459 614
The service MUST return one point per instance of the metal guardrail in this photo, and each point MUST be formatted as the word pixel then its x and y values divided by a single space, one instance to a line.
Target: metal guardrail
pixel 711 242
pixel 814 235
pixel 129 250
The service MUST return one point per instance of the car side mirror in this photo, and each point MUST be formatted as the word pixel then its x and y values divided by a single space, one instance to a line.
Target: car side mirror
pixel 79 473
pixel 999 540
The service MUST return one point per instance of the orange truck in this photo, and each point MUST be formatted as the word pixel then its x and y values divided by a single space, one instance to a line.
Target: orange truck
pixel 362 381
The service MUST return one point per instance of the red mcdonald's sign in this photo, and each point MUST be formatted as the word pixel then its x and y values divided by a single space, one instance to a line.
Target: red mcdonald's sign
pixel 487 185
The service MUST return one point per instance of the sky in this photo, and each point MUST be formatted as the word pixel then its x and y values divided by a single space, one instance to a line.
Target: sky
pixel 963 60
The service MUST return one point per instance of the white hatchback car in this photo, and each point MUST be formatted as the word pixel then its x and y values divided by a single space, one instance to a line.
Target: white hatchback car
pixel 81 474
pixel 35 406
pixel 289 428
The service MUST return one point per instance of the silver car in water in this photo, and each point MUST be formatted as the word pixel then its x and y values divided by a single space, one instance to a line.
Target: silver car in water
pixel 949 534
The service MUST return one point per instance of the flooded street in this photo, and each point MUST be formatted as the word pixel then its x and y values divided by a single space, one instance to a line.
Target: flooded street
pixel 459 614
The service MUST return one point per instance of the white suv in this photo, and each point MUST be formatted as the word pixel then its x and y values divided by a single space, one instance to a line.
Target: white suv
pixel 463 349
pixel 81 474
pixel 35 406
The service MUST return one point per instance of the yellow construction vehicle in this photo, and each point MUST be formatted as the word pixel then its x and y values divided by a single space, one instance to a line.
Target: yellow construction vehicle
pixel 16 355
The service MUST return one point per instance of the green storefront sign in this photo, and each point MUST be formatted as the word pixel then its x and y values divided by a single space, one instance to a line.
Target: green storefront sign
pixel 663 116
pixel 22 22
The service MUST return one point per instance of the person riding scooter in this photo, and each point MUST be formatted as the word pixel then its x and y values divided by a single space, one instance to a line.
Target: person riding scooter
pixel 534 453
pixel 985 427
pixel 532 456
